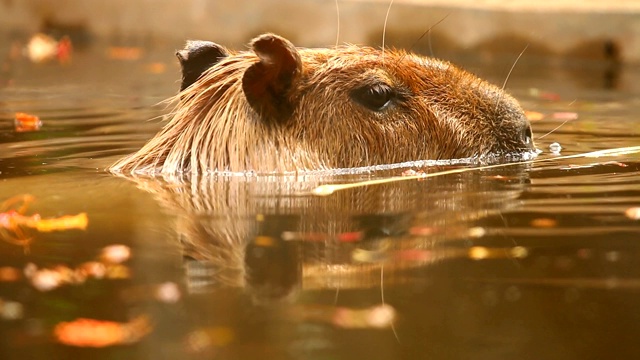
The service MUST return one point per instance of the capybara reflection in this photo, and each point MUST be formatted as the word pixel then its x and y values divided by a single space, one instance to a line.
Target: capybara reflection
pixel 278 108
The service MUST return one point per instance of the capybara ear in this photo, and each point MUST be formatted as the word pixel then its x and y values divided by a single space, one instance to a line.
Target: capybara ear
pixel 196 57
pixel 267 83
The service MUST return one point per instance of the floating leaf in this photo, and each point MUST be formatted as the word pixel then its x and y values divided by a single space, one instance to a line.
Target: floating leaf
pixel 100 333
pixel 26 122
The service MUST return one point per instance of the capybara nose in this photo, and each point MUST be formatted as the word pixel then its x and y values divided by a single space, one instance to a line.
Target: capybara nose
pixel 527 137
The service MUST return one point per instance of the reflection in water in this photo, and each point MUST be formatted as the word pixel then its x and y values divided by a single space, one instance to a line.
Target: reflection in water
pixel 296 260
pixel 444 267
pixel 264 231
pixel 272 265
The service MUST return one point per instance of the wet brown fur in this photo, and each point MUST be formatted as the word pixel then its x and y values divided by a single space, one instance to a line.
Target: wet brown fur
pixel 442 112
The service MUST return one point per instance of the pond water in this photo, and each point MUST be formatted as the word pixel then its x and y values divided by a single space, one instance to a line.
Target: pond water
pixel 529 261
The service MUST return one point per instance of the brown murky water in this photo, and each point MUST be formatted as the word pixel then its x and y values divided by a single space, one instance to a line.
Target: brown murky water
pixel 527 262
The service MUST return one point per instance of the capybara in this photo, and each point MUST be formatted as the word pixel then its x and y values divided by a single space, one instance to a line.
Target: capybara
pixel 278 108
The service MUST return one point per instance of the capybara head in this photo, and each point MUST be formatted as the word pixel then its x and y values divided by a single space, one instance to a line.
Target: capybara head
pixel 278 108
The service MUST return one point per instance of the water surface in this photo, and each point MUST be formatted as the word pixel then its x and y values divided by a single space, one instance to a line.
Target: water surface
pixel 529 261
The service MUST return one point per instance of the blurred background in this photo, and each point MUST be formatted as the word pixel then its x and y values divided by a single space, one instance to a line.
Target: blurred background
pixel 587 28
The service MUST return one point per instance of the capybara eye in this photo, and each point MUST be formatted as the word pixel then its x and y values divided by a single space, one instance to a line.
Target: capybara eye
pixel 374 97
